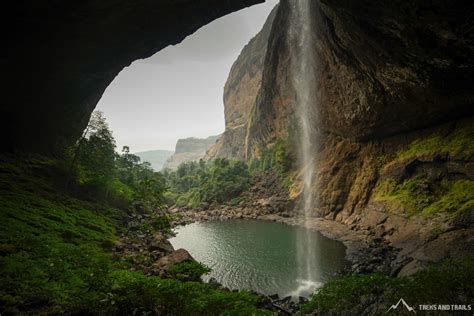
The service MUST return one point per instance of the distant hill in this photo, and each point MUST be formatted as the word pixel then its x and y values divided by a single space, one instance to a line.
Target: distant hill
pixel 190 149
pixel 156 158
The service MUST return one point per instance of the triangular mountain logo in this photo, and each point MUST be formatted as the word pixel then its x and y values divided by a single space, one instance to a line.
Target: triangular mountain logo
pixel 408 307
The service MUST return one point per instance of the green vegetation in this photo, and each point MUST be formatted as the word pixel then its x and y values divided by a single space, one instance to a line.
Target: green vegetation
pixel 450 281
pixel 60 217
pixel 219 181
pixel 418 196
pixel 222 180
pixel 94 165
pixel 458 197
pixel 51 256
pixel 458 141
pixel 279 157
pixel 137 294
pixel 188 271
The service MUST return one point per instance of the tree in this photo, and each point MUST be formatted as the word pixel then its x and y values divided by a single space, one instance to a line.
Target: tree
pixel 95 152
pixel 283 158
pixel 149 193
pixel 217 181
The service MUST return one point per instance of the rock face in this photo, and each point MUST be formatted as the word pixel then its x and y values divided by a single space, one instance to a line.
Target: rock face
pixel 393 112
pixel 60 56
pixel 383 69
pixel 383 75
pixel 417 73
pixel 240 94
pixel 189 149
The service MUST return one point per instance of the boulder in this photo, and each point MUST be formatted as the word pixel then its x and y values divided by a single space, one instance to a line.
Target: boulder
pixel 178 256
pixel 162 245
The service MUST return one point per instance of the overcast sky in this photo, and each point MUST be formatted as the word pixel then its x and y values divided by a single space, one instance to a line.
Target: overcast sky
pixel 177 93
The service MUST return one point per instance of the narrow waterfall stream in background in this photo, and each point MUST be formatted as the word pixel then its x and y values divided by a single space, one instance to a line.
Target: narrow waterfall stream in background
pixel 303 77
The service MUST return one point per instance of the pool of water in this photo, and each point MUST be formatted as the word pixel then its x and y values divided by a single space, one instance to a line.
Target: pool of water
pixel 262 256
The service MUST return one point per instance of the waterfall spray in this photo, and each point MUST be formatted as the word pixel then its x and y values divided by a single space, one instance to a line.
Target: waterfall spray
pixel 304 76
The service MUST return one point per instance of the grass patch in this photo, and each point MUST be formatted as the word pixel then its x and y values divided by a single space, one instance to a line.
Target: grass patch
pixel 417 196
pixel 447 283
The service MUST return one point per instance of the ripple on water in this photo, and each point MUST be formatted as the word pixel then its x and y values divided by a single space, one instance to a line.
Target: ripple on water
pixel 260 255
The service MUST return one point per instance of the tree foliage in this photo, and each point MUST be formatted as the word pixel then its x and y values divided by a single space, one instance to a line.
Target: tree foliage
pixel 218 181
pixel 55 241
pixel 95 162
pixel 95 152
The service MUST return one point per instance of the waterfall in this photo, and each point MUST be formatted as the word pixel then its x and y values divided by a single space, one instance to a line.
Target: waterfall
pixel 304 76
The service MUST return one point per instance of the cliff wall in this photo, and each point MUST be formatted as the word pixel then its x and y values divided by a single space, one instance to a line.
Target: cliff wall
pixel 240 94
pixel 189 149
pixel 392 113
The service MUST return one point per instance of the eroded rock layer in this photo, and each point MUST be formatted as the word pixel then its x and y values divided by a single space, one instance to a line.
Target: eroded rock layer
pixel 189 149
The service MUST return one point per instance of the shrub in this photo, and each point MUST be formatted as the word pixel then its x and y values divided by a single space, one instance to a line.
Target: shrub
pixel 133 292
pixel 449 281
pixel 187 271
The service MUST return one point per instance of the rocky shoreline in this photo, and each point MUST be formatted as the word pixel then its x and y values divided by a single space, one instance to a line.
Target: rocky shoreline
pixel 366 253
pixel 387 243
pixel 152 253
pixel 267 200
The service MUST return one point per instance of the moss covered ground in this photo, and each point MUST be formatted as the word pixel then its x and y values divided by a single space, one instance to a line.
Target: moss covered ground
pixel 54 257
pixel 420 195
pixel 442 141
pixel 415 196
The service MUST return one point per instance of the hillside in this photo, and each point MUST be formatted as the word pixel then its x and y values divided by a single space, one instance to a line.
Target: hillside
pixel 189 149
pixel 156 158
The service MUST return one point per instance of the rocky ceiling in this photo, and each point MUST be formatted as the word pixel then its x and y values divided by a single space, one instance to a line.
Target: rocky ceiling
pixel 60 55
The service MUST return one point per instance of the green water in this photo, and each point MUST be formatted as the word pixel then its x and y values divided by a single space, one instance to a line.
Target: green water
pixel 261 255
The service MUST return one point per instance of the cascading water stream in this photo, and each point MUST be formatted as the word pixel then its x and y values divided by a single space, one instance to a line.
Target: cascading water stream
pixel 303 76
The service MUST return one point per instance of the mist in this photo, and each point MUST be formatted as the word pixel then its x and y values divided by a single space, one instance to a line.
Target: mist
pixel 177 93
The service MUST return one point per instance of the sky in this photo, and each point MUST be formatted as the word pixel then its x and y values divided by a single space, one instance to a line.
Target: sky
pixel 178 92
